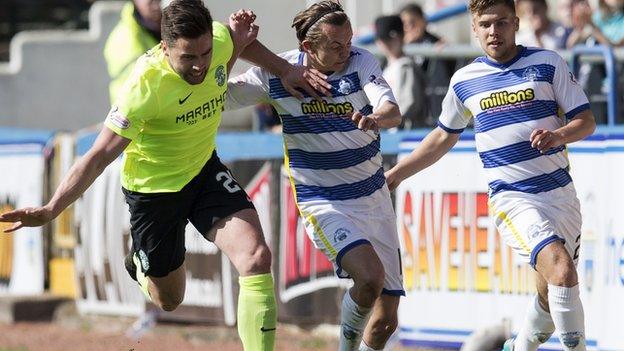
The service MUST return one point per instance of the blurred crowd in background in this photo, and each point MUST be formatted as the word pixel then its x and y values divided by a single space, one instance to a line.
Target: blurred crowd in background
pixel 419 83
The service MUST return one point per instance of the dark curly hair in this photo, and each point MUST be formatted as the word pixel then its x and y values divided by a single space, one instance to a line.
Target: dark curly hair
pixel 188 19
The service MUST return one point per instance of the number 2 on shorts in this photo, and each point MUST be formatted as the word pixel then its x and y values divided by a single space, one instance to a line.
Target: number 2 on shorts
pixel 228 181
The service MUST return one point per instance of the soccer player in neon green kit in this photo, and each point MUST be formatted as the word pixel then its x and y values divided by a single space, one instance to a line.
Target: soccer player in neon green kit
pixel 165 121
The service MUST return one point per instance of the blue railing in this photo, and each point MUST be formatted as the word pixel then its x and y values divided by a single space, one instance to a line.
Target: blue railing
pixel 246 145
pixel 447 12
pixel 611 69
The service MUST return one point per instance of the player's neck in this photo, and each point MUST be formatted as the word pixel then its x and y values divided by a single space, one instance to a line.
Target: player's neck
pixel 509 56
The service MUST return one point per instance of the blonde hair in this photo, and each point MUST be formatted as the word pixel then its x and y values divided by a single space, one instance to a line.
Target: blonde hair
pixel 477 7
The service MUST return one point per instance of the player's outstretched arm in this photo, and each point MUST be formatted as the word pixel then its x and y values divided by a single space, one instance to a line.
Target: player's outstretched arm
pixel 83 173
pixel 580 127
pixel 435 145
pixel 308 79
pixel 386 116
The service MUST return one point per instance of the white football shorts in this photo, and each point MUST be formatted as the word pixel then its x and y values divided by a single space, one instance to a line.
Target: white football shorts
pixel 339 226
pixel 529 222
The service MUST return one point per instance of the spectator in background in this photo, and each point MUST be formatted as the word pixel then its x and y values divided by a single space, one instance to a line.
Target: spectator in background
pixel 415 29
pixel 415 26
pixel 539 30
pixel 268 119
pixel 605 26
pixel 402 73
pixel 137 31
pixel 564 12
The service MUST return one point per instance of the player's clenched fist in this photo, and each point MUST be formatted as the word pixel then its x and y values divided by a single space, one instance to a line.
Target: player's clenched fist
pixel 544 140
pixel 242 24
pixel 365 123
pixel 392 179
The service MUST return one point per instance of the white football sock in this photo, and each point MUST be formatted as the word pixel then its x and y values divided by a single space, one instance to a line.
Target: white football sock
pixel 353 319
pixel 537 328
pixel 567 313
pixel 364 347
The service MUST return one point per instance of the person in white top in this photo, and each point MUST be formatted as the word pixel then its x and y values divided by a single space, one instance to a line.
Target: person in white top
pixel 404 76
pixel 526 107
pixel 333 159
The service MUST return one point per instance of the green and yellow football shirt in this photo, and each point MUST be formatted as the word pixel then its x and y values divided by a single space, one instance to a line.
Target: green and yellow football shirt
pixel 172 124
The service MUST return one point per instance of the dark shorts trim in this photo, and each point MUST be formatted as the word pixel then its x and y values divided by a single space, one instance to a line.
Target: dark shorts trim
pixel 344 251
pixel 385 291
pixel 542 244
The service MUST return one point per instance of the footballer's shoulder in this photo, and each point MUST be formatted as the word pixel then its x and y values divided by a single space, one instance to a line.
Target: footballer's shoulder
pixel 358 53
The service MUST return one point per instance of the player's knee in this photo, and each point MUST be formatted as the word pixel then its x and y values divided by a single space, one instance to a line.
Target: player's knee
pixel 169 305
pixel 258 261
pixel 370 283
pixel 557 266
pixel 382 328
pixel 168 302
pixel 564 274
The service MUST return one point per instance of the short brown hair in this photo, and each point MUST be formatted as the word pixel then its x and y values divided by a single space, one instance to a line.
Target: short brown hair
pixel 413 9
pixel 477 7
pixel 307 22
pixel 188 19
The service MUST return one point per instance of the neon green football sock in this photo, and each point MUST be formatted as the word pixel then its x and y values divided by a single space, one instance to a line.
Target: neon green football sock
pixel 141 277
pixel 257 312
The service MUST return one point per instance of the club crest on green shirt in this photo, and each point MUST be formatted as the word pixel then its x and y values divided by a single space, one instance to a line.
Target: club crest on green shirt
pixel 220 75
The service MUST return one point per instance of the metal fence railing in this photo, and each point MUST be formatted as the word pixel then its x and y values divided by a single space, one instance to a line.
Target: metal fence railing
pixel 601 77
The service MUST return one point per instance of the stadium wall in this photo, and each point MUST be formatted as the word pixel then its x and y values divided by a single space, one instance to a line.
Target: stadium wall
pixel 58 79
pixel 458 275
pixel 22 183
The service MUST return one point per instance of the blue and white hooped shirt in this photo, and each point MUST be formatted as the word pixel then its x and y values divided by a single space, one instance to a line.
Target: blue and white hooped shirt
pixel 328 157
pixel 508 101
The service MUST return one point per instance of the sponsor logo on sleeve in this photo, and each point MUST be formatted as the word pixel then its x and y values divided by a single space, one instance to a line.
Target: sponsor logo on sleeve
pixel 220 75
pixel 117 119
pixel 377 80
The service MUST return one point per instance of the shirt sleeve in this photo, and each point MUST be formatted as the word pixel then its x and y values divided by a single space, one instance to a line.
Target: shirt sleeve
pixel 136 103
pixel 246 89
pixel 454 116
pixel 373 83
pixel 221 37
pixel 568 92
